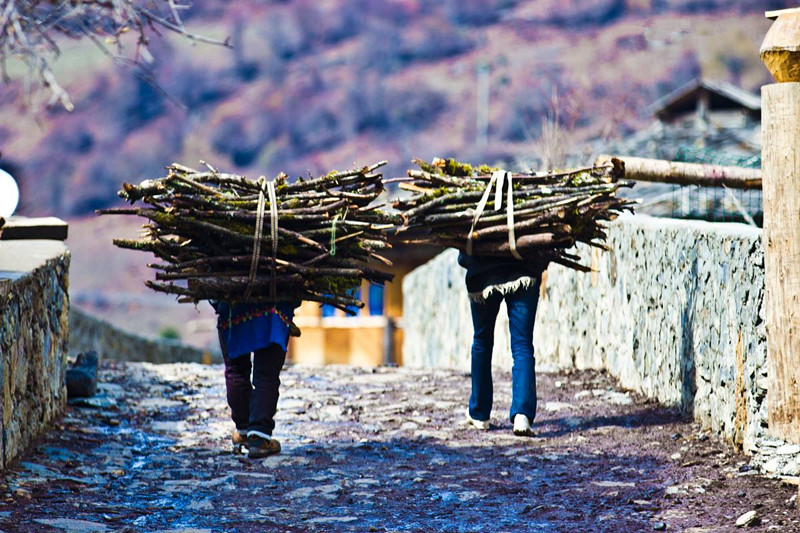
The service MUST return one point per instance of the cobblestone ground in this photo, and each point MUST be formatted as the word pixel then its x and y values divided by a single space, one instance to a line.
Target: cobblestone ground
pixel 380 450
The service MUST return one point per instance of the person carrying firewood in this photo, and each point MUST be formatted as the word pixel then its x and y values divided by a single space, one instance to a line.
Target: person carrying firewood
pixel 261 331
pixel 490 280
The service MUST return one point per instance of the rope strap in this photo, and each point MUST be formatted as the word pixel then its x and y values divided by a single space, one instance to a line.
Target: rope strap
pixel 497 181
pixel 259 235
pixel 512 239
pixel 333 234
pixel 273 215
pixel 256 239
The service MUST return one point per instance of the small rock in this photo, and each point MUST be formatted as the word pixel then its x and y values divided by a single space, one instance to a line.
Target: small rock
pixel 675 456
pixel 201 505
pixel 748 518
pixel 618 398
pixel 82 376
pixel 788 449
pixel 675 489
pixel 74 526
pixel 557 406
pixel 469 495
pixel 332 520
pixel 22 493
pixel 792 468
pixel 771 466
pixel 97 402
pixel 659 526
pixel 625 484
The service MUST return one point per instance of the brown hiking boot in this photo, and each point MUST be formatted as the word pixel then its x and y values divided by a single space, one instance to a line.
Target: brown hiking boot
pixel 258 446
pixel 238 440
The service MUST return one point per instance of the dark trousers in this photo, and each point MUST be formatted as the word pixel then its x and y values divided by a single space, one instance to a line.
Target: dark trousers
pixel 253 403
pixel 521 306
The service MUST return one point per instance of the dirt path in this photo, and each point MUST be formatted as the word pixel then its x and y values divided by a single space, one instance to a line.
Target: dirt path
pixel 380 451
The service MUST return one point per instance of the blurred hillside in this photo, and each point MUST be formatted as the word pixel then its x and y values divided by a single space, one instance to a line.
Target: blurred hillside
pixel 318 84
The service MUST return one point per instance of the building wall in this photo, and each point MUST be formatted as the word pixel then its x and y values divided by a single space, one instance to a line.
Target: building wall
pixel 34 306
pixel 674 311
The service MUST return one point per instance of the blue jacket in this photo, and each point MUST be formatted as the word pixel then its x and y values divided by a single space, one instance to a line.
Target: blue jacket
pixel 245 328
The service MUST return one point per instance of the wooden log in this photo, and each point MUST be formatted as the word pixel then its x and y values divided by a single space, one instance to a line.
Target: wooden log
pixel 661 171
pixel 781 164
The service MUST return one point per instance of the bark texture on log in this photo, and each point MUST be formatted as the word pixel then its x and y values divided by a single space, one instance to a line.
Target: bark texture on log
pixel 661 171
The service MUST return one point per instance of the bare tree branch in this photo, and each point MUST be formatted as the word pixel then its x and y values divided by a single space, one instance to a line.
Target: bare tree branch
pixel 30 32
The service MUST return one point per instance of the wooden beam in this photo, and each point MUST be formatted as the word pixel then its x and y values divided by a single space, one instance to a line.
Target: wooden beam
pixel 661 171
pixel 772 15
pixel 50 228
pixel 781 238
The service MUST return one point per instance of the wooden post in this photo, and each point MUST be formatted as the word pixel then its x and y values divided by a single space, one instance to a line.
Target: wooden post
pixel 780 115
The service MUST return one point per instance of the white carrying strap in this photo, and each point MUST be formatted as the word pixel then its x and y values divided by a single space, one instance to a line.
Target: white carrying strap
pixel 259 233
pixel 273 218
pixel 497 180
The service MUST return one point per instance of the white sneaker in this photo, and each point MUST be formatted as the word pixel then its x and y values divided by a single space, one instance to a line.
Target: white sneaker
pixel 522 426
pixel 477 424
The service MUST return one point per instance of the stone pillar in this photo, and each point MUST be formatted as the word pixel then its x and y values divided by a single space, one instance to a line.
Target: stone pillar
pixel 780 115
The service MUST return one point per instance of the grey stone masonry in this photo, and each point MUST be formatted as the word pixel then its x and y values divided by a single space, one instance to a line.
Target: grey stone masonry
pixel 92 333
pixel 674 311
pixel 34 309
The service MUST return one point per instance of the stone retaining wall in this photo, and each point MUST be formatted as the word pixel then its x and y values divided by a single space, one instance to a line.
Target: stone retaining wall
pixel 34 306
pixel 88 332
pixel 674 311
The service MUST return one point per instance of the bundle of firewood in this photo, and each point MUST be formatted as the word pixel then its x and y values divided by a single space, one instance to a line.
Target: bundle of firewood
pixel 228 238
pixel 455 205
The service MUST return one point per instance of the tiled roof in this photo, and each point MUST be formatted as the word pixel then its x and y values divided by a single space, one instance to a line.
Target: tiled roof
pixel 679 97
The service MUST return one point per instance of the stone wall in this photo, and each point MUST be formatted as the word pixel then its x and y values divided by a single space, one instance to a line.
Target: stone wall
pixel 88 332
pixel 34 306
pixel 674 311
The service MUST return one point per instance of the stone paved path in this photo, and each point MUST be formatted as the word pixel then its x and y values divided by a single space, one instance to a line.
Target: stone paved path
pixel 380 450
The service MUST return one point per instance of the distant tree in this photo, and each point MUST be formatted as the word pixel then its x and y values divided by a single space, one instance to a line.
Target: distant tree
pixel 30 31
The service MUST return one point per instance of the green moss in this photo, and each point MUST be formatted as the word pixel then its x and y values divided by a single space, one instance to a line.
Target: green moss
pixel 582 178
pixel 427 167
pixel 486 169
pixel 287 249
pixel 455 168
pixel 338 284
pixel 291 204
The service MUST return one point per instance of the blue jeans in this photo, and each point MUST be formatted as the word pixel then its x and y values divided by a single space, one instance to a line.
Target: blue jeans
pixel 521 315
